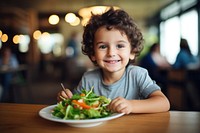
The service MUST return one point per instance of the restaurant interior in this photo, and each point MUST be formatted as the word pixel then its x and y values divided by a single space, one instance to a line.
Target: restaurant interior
pixel 39 31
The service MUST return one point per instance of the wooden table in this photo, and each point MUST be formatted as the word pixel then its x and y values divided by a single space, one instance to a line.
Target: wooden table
pixel 24 118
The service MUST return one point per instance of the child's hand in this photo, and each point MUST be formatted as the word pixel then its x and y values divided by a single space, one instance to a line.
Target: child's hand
pixel 120 105
pixel 64 94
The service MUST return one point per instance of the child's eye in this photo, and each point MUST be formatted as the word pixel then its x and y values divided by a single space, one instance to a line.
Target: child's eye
pixel 102 46
pixel 120 46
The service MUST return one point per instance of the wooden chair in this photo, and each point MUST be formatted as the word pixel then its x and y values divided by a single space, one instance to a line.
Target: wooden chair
pixel 176 89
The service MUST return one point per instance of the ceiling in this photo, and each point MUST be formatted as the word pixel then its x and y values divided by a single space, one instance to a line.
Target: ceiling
pixel 140 10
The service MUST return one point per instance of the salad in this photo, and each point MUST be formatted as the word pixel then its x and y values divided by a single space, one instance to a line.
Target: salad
pixel 86 105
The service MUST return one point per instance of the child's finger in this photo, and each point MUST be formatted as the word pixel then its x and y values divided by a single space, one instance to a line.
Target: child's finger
pixel 59 97
pixel 67 94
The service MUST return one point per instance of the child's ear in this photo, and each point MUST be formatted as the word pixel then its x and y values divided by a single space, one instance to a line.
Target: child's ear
pixel 132 56
pixel 93 58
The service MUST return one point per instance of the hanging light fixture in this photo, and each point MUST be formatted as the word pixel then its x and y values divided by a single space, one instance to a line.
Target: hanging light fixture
pixel 86 12
pixel 72 19
pixel 54 19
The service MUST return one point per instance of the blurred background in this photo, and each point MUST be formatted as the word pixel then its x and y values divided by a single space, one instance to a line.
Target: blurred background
pixel 44 42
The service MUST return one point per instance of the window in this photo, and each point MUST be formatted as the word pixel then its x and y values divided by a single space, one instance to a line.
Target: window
pixel 189 29
pixel 169 39
pixel 171 30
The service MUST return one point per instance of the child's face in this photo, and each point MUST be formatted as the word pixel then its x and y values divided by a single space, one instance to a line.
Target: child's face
pixel 112 50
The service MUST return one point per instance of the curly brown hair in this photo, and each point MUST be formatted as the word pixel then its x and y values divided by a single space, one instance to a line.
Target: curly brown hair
pixel 117 19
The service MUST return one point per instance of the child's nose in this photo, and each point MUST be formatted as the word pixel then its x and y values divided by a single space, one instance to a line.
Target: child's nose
pixel 111 52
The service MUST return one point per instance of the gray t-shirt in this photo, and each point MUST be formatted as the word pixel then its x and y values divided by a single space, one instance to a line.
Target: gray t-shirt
pixel 134 84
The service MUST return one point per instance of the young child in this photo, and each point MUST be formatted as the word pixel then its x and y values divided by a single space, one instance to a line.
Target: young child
pixel 111 41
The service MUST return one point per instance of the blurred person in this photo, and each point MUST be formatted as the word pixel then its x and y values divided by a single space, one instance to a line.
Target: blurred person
pixel 185 59
pixel 112 41
pixel 159 59
pixel 156 64
pixel 190 66
pixel 72 45
pixel 70 69
pixel 153 59
pixel 8 61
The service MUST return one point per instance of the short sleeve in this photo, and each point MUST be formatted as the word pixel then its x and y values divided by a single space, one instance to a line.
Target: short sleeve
pixel 145 83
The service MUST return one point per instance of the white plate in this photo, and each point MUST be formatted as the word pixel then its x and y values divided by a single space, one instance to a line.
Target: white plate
pixel 46 114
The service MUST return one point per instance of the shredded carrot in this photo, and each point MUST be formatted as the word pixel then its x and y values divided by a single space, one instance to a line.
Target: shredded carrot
pixel 82 104
pixel 82 94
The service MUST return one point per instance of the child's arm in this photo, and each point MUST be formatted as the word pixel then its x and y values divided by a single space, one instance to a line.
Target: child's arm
pixel 64 94
pixel 156 102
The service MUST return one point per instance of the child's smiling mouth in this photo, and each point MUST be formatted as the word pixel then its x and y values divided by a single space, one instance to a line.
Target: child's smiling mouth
pixel 112 61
